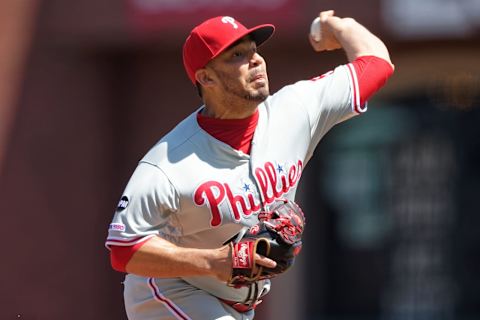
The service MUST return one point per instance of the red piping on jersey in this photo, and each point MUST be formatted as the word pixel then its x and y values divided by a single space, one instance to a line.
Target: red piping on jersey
pixel 356 106
pixel 122 242
pixel 237 133
pixel 176 311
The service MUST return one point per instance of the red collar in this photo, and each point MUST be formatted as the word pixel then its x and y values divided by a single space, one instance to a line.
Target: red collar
pixel 237 133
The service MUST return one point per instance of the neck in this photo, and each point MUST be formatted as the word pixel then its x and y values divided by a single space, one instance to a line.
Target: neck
pixel 229 110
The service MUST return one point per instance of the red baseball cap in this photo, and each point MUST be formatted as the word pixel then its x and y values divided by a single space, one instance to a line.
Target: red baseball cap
pixel 210 38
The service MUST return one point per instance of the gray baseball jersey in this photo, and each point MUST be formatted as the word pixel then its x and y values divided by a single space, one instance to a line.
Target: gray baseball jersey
pixel 197 191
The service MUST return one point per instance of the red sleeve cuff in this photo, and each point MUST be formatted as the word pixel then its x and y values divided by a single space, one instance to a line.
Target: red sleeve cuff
pixel 371 73
pixel 121 255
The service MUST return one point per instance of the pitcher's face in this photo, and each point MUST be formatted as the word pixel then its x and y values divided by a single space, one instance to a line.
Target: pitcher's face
pixel 242 72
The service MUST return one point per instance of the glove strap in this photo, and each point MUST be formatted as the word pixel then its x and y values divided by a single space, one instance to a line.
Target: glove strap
pixel 243 254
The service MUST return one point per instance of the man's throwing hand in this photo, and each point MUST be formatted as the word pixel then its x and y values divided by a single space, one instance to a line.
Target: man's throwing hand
pixel 327 40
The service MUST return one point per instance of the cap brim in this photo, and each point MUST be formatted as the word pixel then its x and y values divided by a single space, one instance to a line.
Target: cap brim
pixel 260 34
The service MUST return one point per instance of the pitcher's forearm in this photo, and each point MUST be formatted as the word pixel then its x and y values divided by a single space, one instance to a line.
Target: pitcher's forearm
pixel 163 259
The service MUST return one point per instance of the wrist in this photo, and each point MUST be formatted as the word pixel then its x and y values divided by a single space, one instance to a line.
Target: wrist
pixel 221 263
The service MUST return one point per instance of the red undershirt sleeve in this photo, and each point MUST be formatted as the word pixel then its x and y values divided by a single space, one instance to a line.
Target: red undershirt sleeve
pixel 121 255
pixel 372 73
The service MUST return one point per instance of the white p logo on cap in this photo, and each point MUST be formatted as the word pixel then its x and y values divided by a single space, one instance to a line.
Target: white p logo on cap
pixel 231 21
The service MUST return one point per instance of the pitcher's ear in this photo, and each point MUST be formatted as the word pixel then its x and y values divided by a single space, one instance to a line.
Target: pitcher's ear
pixel 203 77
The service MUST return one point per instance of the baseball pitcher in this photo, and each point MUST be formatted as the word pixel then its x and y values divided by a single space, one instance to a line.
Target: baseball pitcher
pixel 209 217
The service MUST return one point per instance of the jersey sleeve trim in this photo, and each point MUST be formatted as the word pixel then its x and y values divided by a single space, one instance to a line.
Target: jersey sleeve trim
pixel 357 107
pixel 115 241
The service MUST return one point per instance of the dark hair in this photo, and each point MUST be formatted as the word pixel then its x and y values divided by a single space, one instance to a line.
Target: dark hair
pixel 199 89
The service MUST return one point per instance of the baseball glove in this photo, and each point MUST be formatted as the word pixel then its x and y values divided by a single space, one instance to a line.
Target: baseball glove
pixel 278 236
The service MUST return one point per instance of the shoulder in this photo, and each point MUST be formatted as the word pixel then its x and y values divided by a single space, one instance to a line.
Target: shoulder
pixel 170 145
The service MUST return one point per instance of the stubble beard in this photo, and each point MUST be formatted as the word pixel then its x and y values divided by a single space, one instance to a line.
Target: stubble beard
pixel 233 89
pixel 259 95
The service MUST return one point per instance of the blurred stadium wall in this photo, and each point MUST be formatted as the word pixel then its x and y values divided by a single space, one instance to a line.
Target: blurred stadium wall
pixel 86 87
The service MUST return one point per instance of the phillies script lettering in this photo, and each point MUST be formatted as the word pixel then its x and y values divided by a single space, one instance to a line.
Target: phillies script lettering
pixel 273 184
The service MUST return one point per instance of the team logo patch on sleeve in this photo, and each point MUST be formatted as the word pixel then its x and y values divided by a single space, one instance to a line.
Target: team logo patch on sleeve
pixel 123 203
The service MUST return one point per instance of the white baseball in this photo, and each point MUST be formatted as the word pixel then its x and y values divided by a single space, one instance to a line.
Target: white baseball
pixel 315 30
